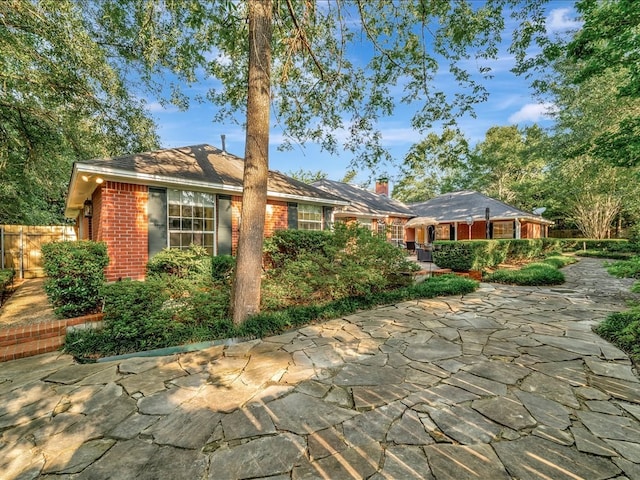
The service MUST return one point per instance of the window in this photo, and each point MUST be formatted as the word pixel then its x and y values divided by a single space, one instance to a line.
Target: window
pixel 443 232
pixel 309 217
pixel 191 219
pixel 502 229
pixel 366 223
pixel 382 228
pixel 397 233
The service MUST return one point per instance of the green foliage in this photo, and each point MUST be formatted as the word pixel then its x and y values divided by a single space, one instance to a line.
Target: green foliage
pixel 192 263
pixel 60 101
pixel 222 267
pixel 625 268
pixel 482 254
pixel 270 323
pixel 317 266
pixel 6 279
pixel 529 275
pixel 606 254
pixel 162 311
pixel 75 273
pixel 288 245
pixel 559 261
pixel 458 257
pixel 623 330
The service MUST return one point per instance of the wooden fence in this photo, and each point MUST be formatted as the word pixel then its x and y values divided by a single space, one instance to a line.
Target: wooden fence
pixel 20 246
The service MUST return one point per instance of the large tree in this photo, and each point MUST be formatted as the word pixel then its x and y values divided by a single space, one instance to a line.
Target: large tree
pixel 432 166
pixel 336 69
pixel 60 101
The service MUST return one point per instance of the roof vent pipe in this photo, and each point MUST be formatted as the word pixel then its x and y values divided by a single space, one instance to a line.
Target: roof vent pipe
pixel 224 144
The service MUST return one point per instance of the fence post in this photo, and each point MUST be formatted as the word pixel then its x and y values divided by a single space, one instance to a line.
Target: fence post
pixel 21 252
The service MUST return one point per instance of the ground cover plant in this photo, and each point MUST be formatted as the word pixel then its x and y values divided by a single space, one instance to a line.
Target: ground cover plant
pixel 545 272
pixel 623 328
pixel 309 276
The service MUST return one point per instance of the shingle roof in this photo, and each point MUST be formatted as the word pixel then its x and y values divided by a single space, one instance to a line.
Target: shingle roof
pixel 364 202
pixel 457 206
pixel 203 163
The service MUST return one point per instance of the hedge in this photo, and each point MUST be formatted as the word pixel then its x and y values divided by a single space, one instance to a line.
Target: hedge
pixel 482 254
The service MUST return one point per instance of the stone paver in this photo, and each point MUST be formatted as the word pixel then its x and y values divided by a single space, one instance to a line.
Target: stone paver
pixel 506 382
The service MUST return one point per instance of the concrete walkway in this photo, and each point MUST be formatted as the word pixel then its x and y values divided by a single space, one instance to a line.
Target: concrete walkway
pixel 508 382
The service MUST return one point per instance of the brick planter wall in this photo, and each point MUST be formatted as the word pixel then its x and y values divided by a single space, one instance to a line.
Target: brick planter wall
pixel 43 337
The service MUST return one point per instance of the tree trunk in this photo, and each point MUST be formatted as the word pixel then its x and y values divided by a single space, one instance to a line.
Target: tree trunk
pixel 246 288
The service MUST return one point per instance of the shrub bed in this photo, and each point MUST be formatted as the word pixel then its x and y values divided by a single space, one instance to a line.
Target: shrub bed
pixel 530 275
pixel 314 277
pixel 75 272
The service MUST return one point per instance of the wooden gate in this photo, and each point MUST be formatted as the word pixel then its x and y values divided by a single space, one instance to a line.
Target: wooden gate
pixel 20 246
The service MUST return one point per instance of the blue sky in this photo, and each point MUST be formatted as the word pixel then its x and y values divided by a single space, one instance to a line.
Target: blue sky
pixel 510 102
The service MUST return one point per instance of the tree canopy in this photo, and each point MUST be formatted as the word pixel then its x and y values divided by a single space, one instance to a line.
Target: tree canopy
pixel 60 101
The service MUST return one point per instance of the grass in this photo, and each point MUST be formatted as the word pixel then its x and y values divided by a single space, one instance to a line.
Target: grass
pixel 545 272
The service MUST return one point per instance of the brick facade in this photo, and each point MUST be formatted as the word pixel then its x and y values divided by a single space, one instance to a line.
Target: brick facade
pixel 120 220
pixel 275 219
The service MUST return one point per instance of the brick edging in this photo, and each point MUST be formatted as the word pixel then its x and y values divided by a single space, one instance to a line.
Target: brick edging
pixel 45 336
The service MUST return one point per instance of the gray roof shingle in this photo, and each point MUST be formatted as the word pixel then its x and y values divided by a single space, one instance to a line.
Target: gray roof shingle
pixel 457 206
pixel 204 163
pixel 364 202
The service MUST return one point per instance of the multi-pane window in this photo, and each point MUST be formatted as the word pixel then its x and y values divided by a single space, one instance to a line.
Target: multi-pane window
pixel 382 228
pixel 191 219
pixel 366 223
pixel 443 232
pixel 309 217
pixel 502 229
pixel 397 233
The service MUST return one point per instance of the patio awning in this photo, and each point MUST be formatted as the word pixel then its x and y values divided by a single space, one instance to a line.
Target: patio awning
pixel 421 222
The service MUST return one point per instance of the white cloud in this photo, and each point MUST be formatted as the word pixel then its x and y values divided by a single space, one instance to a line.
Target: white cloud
pixel 532 112
pixel 560 19
pixel 157 107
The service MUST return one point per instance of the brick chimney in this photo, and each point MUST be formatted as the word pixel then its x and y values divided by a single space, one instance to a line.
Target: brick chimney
pixel 382 186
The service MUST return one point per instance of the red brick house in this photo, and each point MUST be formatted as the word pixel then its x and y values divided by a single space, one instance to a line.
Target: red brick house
pixel 139 204
pixel 469 215
pixel 373 210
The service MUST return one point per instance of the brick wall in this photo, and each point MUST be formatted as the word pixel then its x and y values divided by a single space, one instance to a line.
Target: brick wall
pixel 275 219
pixel 120 220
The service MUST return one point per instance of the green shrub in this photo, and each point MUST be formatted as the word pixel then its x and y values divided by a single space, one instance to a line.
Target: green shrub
pixel 458 257
pixel 287 245
pixel 194 263
pixel 623 330
pixel 483 254
pixel 348 263
pixel 222 267
pixel 529 275
pixel 75 273
pixel 6 279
